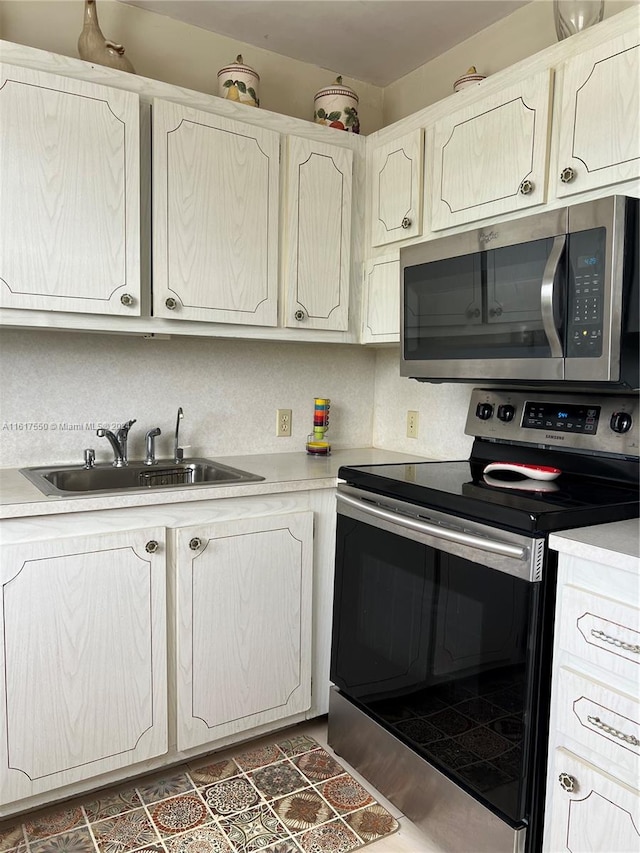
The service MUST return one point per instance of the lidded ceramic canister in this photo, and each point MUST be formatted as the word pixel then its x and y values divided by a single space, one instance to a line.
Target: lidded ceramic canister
pixel 337 106
pixel 239 82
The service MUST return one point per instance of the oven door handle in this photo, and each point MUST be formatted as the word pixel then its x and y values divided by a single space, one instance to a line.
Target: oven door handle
pixel 547 296
pixel 459 537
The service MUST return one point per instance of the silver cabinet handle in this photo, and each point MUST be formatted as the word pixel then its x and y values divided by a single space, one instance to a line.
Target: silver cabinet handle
pixel 406 222
pixel 299 314
pixel 597 722
pixel 568 783
pixel 195 544
pixel 567 175
pixel 547 292
pixel 151 547
pixel 526 187
pixel 171 303
pixel 127 299
pixel 619 644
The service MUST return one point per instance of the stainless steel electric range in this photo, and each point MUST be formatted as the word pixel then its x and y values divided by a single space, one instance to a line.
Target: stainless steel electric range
pixel 444 608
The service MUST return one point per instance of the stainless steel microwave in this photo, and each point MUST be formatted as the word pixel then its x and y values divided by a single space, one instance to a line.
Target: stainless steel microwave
pixel 539 300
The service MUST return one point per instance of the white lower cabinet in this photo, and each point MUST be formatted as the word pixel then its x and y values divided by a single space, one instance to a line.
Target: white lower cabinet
pixel 243 624
pixel 84 686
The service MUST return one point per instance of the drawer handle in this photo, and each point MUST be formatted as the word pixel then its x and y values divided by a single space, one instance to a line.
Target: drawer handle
pixel 597 722
pixel 568 783
pixel 620 644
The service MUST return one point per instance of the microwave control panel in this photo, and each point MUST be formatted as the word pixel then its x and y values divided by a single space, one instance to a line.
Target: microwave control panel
pixel 586 293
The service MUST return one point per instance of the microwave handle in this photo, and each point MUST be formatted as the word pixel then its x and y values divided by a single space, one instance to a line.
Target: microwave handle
pixel 547 293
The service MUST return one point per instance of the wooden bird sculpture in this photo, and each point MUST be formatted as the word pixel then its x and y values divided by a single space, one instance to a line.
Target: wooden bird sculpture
pixel 94 47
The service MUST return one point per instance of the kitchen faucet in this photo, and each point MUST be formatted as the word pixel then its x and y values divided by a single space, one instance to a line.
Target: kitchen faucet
pixel 118 442
pixel 178 452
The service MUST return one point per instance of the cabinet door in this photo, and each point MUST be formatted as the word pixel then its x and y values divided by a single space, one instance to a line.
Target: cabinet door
pixel 243 624
pixel 490 157
pixel 396 189
pixel 215 218
pixel 381 300
pixel 317 256
pixel 599 815
pixel 69 195
pixel 599 140
pixel 83 686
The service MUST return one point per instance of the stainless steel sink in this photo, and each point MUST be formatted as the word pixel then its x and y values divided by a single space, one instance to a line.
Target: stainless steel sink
pixel 104 479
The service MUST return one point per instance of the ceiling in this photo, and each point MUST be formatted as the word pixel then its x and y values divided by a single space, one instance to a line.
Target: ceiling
pixel 375 41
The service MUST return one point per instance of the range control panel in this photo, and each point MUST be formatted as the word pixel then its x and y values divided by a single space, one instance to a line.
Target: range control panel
pixel 598 423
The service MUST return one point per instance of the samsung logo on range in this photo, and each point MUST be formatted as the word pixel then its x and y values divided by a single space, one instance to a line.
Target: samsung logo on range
pixel 555 437
pixel 487 237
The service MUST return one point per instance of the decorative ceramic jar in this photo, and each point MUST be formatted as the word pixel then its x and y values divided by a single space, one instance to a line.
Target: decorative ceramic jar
pixel 572 16
pixel 469 78
pixel 239 82
pixel 337 106
pixel 94 47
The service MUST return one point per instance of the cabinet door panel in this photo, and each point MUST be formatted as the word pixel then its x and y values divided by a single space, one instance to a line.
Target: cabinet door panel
pixel 600 93
pixel 490 157
pixel 215 217
pixel 382 300
pixel 244 625
pixel 318 235
pixel 69 194
pixel 598 816
pixel 84 659
pixel 396 190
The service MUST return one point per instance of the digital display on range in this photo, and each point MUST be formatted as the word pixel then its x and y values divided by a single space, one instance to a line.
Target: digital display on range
pixel 554 416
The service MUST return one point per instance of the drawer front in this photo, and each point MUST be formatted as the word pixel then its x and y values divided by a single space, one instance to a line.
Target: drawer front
pixel 601 631
pixel 605 721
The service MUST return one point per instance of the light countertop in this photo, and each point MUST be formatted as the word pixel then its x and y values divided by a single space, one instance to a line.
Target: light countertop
pixel 282 472
pixel 616 544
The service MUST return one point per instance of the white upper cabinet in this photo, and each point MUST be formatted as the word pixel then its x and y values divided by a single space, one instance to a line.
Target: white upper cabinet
pixel 215 217
pixel 317 242
pixel 381 314
pixel 69 195
pixel 599 142
pixel 490 157
pixel 396 189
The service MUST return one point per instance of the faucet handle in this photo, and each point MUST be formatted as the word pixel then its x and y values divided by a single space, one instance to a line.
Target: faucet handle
pixel 124 429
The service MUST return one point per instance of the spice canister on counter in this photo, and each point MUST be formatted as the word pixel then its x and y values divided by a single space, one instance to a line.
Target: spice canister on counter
pixel 239 82
pixel 337 106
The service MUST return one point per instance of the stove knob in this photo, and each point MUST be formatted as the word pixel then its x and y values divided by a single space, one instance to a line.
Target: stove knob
pixel 484 411
pixel 620 422
pixel 506 413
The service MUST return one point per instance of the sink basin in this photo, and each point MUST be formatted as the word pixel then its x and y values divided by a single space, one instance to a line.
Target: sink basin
pixel 104 479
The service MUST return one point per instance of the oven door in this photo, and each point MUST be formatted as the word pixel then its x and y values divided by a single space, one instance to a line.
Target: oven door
pixel 435 634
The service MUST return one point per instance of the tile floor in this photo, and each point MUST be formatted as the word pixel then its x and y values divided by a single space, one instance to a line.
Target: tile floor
pixel 198 807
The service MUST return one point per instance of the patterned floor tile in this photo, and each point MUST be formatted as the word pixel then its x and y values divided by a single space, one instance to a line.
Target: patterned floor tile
pixel 112 803
pixel 206 774
pixel 258 757
pixel 11 837
pixel 297 745
pixel 164 786
pixel 53 822
pixel 206 839
pixel 283 847
pixel 372 822
pixel 302 810
pixel 127 831
pixel 279 779
pixel 318 765
pixel 74 841
pixel 178 814
pixel 345 794
pixel 334 837
pixel 231 795
pixel 253 829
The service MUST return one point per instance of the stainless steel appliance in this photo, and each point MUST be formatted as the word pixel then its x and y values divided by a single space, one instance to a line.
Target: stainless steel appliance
pixel 444 609
pixel 547 298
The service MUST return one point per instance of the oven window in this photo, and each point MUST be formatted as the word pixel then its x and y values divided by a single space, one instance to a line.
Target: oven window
pixel 438 650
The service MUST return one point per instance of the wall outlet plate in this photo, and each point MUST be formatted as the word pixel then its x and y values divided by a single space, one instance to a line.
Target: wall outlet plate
pixel 283 423
pixel 412 424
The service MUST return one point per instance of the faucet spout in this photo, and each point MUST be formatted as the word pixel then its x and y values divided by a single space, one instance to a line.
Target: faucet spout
pixel 178 452
pixel 118 442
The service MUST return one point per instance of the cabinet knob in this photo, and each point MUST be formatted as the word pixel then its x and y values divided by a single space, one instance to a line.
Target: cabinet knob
pixel 127 299
pixel 171 303
pixel 299 314
pixel 567 175
pixel 151 547
pixel 568 783
pixel 526 187
pixel 406 222
pixel 195 544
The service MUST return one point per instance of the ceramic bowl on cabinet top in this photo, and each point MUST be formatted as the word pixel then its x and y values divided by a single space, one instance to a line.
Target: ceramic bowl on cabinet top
pixel 471 78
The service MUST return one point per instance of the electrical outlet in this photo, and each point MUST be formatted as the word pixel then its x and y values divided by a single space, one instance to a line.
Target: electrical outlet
pixel 412 424
pixel 283 423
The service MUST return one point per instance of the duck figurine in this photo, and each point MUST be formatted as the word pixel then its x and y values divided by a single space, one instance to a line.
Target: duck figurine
pixel 94 47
